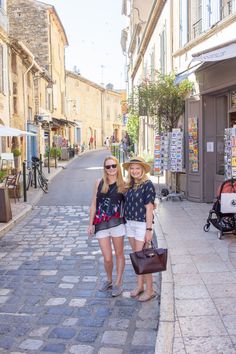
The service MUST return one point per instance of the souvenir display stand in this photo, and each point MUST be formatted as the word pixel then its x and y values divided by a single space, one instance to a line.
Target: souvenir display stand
pixel 230 153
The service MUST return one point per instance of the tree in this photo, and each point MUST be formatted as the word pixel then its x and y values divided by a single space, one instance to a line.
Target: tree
pixel 161 99
pixel 133 127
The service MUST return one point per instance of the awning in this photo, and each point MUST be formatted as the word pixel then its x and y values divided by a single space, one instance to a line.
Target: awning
pixel 7 131
pixel 221 52
pixel 186 73
pixel 63 122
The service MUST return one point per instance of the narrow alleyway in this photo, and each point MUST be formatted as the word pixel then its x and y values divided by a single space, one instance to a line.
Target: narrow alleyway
pixel 50 273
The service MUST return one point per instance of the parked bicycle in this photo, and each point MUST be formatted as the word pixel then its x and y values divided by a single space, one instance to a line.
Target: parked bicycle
pixel 33 171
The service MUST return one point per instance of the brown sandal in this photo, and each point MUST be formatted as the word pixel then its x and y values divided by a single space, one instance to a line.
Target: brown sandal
pixel 145 297
pixel 136 292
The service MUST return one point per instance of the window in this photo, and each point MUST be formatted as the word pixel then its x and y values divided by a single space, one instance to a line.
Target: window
pixel 15 105
pixel 29 79
pixel 1 70
pixel 215 6
pixel 15 98
pixel 183 38
pixel 163 51
pixel 206 12
pixel 62 103
pixel 152 59
pixel 196 18
pixel 227 8
pixel 48 95
pixel 29 113
pixel 13 63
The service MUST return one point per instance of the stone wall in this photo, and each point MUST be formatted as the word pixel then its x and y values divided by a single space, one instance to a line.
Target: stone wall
pixel 28 22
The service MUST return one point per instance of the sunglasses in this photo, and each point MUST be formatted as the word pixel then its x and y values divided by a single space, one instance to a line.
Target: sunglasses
pixel 110 166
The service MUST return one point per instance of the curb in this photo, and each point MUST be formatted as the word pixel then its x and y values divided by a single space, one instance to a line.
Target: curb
pixel 165 334
pixel 15 220
pixel 39 195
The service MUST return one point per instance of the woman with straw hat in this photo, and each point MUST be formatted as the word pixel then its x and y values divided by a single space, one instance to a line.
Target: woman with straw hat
pixel 138 211
pixel 107 221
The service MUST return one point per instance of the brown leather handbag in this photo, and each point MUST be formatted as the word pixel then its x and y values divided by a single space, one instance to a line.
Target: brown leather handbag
pixel 149 260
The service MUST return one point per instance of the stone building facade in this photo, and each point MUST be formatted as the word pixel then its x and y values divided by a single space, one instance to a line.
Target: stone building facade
pixel 4 78
pixel 95 110
pixel 38 26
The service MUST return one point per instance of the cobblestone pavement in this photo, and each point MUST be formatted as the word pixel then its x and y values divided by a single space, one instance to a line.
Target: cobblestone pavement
pixel 49 298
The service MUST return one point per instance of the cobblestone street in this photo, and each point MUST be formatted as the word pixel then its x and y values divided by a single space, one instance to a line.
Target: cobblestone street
pixel 49 298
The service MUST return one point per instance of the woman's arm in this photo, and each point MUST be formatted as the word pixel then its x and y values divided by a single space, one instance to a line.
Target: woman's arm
pixel 93 210
pixel 149 219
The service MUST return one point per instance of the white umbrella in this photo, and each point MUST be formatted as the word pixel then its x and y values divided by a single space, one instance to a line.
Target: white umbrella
pixel 7 131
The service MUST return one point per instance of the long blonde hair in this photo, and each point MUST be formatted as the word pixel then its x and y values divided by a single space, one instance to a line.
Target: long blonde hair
pixel 130 183
pixel 119 181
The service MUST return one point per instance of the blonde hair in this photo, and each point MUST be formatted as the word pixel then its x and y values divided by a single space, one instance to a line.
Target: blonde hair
pixel 119 180
pixel 130 183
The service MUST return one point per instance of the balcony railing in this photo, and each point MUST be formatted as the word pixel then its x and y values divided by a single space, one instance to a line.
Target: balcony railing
pixel 3 20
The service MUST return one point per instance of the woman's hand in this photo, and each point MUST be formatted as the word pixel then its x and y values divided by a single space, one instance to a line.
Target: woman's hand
pixel 148 236
pixel 91 230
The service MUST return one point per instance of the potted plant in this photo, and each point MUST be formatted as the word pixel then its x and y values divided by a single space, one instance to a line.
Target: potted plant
pixel 55 154
pixel 17 158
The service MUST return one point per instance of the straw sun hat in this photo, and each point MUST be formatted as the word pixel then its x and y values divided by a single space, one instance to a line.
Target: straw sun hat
pixel 137 160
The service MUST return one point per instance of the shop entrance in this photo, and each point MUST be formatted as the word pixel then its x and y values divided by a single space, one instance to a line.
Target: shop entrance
pixel 215 122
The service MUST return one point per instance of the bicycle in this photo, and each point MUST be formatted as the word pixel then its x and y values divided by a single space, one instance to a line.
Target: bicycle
pixel 42 180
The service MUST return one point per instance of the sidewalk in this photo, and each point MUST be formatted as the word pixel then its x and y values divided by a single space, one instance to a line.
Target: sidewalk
pixel 198 296
pixel 21 209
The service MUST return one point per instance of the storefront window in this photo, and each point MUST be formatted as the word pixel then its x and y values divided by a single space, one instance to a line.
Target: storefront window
pixel 193 147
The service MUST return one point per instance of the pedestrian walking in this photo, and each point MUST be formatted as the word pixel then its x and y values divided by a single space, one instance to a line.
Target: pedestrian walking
pixel 107 221
pixel 107 143
pixel 138 212
pixel 91 142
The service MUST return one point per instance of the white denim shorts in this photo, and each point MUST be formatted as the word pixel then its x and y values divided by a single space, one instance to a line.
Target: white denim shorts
pixel 115 231
pixel 136 229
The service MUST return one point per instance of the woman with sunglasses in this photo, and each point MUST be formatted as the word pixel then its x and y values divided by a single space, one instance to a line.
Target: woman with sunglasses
pixel 138 211
pixel 107 221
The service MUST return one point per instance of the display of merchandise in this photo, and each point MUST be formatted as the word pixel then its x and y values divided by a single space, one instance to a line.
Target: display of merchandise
pixel 165 149
pixel 230 153
pixel 176 151
pixel 193 147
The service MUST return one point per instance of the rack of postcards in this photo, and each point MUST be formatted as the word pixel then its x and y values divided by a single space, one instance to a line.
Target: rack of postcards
pixel 230 152
pixel 169 152
pixel 176 150
pixel 166 150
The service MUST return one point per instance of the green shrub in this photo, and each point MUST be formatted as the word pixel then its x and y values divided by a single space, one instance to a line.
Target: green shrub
pixel 16 152
pixel 54 152
pixel 2 175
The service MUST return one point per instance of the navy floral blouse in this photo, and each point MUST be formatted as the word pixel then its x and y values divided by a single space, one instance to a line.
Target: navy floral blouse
pixel 136 199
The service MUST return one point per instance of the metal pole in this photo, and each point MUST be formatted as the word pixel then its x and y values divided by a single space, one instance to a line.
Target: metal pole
pixel 49 143
pixel 41 163
pixel 24 182
pixel 35 175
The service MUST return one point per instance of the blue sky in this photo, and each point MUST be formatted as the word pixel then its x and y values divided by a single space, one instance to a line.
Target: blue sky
pixel 93 28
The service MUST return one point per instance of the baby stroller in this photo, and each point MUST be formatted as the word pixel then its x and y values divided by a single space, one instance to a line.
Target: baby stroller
pixel 221 221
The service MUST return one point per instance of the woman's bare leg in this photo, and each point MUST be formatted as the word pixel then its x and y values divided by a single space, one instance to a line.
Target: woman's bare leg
pixel 105 245
pixel 118 243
